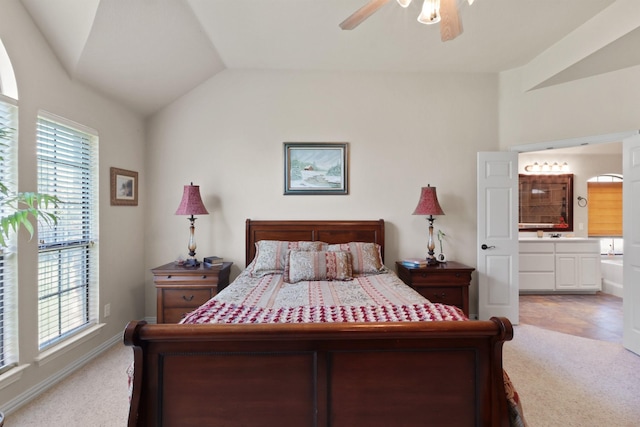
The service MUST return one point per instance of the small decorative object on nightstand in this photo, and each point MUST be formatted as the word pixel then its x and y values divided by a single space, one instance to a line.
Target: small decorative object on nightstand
pixel 446 283
pixel 182 289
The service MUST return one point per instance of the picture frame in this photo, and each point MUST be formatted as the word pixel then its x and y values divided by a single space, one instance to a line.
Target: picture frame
pixel 316 168
pixel 124 187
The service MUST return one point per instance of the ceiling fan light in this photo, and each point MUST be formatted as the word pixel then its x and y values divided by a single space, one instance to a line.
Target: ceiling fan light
pixel 430 12
pixel 406 3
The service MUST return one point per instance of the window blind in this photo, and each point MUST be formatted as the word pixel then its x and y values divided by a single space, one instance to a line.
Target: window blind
pixel 67 259
pixel 8 310
pixel 605 209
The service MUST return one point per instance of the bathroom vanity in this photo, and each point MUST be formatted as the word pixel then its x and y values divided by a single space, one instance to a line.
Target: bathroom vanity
pixel 565 264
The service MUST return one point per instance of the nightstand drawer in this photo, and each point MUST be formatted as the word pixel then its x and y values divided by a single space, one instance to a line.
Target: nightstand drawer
pixel 185 297
pixel 440 277
pixel 449 296
pixel 201 279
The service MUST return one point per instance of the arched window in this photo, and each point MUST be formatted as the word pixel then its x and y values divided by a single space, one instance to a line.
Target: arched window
pixel 8 85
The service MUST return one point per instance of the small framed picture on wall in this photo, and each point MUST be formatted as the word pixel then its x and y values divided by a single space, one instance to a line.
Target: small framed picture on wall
pixel 315 168
pixel 124 187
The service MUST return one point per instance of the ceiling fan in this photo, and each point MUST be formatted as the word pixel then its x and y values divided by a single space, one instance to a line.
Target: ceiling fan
pixel 433 11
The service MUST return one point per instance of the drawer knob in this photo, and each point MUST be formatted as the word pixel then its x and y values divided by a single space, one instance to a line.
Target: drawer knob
pixel 204 277
pixel 169 277
pixel 187 298
pixel 423 274
pixel 442 295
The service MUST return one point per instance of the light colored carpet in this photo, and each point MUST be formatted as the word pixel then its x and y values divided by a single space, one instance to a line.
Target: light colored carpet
pixel 563 381
pixel 96 395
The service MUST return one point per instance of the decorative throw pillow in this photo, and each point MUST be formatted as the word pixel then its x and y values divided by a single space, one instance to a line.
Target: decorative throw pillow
pixel 366 258
pixel 318 265
pixel 271 255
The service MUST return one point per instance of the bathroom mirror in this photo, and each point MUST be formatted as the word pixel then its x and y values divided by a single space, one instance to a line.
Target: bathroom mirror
pixel 546 202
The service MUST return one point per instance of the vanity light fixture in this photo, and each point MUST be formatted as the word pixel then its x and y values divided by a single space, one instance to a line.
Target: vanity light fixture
pixel 545 167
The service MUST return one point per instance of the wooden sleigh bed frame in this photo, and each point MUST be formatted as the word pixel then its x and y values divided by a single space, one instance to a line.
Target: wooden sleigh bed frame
pixel 444 373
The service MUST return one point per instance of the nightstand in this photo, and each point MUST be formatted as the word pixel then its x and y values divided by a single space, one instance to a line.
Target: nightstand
pixel 183 289
pixel 446 283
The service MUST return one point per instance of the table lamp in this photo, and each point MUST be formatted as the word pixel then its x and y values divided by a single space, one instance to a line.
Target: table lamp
pixel 191 204
pixel 428 205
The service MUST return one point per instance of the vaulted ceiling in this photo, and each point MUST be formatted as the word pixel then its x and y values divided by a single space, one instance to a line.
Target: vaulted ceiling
pixel 147 53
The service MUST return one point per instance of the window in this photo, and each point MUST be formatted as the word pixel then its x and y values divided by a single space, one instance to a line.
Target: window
pixel 604 194
pixel 8 326
pixel 67 257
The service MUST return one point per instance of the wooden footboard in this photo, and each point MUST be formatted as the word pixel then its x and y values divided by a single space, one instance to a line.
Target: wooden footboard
pixel 345 374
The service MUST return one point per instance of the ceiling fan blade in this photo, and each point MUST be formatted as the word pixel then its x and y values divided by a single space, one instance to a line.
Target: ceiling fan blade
pixel 450 24
pixel 361 14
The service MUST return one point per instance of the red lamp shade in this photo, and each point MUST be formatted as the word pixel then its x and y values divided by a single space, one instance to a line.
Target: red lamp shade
pixel 191 203
pixel 428 203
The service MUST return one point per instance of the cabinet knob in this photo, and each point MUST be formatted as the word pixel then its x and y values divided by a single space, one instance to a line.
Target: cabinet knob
pixel 187 298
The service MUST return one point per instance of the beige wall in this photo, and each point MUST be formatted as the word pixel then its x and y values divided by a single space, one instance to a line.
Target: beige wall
pixel 43 84
pixel 404 131
pixel 599 105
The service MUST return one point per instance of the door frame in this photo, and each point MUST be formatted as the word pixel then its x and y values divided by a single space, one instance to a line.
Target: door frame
pixel 574 142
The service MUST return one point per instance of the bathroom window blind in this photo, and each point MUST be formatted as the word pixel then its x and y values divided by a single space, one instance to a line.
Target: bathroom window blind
pixel 67 258
pixel 605 209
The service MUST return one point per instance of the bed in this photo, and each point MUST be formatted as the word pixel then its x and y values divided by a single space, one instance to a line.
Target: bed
pixel 342 368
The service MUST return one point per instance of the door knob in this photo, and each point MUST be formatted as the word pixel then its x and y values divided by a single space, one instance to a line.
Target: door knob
pixel 485 247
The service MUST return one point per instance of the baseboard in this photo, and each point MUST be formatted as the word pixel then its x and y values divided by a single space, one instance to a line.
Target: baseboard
pixel 43 386
pixel 612 288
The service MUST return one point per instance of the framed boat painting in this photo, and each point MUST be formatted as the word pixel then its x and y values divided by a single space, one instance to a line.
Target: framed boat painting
pixel 315 168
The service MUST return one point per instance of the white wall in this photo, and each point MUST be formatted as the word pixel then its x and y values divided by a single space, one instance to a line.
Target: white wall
pixel 405 131
pixel 43 84
pixel 598 105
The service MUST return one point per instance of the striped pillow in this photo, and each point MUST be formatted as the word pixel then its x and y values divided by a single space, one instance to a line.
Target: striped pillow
pixel 318 265
pixel 366 257
pixel 271 255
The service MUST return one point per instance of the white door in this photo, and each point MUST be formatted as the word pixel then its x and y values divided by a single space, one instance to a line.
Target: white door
pixel 498 235
pixel 631 234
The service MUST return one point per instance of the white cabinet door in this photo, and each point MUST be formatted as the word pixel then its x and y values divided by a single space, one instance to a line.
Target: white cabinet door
pixel 589 273
pixel 578 272
pixel 566 272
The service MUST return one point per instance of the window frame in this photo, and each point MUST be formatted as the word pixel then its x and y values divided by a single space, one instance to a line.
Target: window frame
pixel 67 254
pixel 8 258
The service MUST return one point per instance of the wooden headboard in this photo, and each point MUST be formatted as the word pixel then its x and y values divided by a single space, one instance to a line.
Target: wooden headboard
pixel 330 231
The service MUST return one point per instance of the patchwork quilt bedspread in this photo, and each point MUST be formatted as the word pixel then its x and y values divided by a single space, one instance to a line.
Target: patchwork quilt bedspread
pixel 366 298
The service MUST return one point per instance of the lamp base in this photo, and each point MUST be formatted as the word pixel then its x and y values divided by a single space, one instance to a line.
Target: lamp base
pixel 431 260
pixel 191 262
